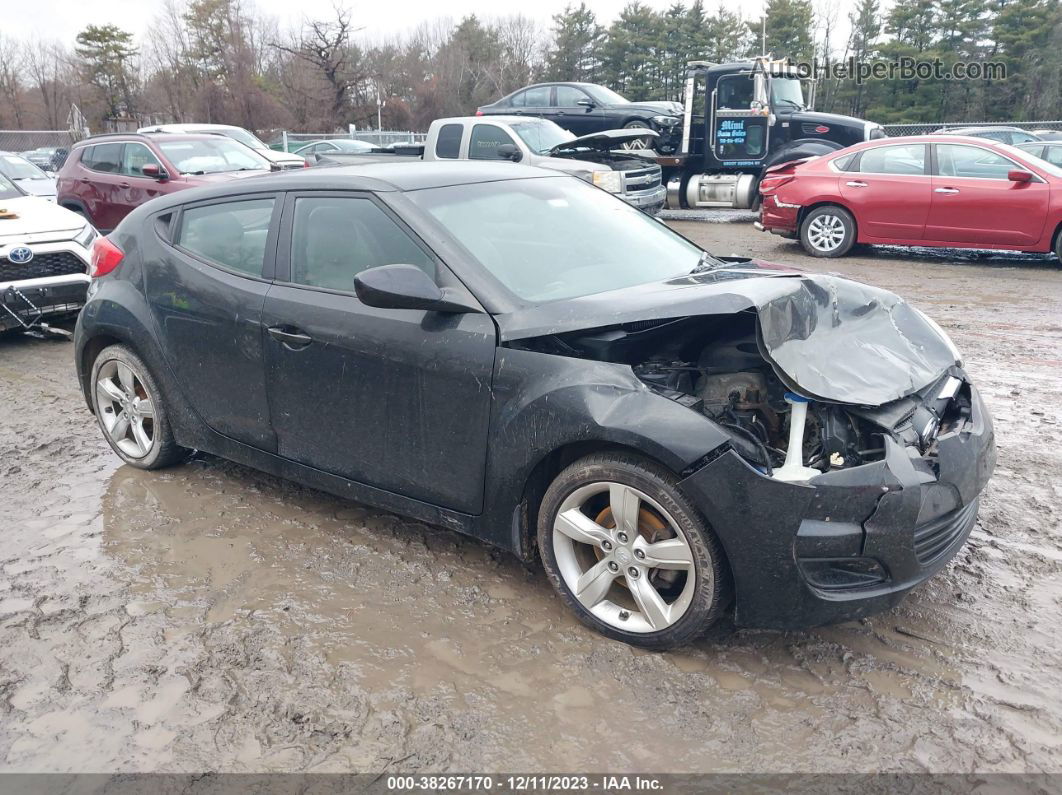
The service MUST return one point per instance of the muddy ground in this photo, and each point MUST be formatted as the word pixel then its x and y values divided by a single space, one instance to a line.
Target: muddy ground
pixel 212 618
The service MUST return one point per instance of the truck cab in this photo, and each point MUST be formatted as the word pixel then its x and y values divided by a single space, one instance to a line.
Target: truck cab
pixel 739 119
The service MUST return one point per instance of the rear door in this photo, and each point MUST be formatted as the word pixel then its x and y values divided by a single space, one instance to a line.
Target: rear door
pixel 101 183
pixel 206 292
pixel 532 102
pixel 398 399
pixel 888 189
pixel 975 202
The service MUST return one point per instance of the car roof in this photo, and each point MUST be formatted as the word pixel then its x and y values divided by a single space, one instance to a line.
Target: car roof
pixel 984 128
pixel 142 137
pixel 383 177
pixel 932 138
pixel 188 126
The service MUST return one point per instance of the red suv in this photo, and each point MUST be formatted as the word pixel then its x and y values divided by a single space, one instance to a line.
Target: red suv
pixel 107 176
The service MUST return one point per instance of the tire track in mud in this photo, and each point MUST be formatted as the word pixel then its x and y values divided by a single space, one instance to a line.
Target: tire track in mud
pixel 210 617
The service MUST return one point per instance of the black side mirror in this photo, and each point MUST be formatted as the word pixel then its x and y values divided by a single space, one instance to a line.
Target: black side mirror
pixel 406 287
pixel 510 152
pixel 154 171
pixel 586 103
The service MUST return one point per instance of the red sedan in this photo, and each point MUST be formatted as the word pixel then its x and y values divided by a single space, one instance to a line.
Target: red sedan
pixel 927 190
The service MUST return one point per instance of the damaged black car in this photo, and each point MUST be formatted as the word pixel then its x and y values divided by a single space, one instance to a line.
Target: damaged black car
pixel 517 355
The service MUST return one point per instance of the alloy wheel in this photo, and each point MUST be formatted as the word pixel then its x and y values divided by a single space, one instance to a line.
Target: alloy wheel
pixel 826 232
pixel 126 410
pixel 623 557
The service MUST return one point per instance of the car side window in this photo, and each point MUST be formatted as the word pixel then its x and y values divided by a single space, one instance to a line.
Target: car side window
pixel 537 97
pixel 135 157
pixel 448 144
pixel 1021 138
pixel 909 160
pixel 230 234
pixel 485 140
pixel 103 157
pixel 1053 155
pixel 568 96
pixel 960 160
pixel 334 238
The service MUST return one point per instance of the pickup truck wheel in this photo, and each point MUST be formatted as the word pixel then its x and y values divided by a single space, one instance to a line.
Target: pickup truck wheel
pixel 828 231
pixel 130 410
pixel 638 144
pixel 629 554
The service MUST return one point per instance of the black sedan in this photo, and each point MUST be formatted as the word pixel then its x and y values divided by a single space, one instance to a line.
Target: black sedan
pixel 517 355
pixel 585 108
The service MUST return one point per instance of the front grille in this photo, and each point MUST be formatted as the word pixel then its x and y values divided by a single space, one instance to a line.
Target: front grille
pixel 54 263
pixel 640 179
pixel 931 541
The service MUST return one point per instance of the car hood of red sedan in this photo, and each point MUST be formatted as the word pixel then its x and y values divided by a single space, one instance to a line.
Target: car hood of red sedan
pixel 827 337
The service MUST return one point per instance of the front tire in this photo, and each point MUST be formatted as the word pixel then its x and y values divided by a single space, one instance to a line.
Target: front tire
pixel 130 410
pixel 656 577
pixel 828 231
pixel 638 144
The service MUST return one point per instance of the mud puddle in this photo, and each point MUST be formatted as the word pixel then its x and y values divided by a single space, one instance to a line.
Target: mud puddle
pixel 213 618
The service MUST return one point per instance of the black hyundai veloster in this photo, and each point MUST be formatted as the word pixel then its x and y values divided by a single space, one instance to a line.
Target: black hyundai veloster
pixel 517 355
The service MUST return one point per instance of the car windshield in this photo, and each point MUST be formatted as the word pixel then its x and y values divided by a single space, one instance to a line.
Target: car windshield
pixel 18 168
pixel 787 91
pixel 541 136
pixel 8 189
pixel 1041 163
pixel 553 238
pixel 237 134
pixel 212 157
pixel 605 96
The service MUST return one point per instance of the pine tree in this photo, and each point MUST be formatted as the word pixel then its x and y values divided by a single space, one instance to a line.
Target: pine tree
pixel 788 30
pixel 107 53
pixel 576 41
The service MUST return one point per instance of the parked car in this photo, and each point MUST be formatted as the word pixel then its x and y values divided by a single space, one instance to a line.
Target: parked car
pixel 510 353
pixel 586 108
pixel 44 258
pixel 58 158
pixel 533 142
pixel 920 191
pixel 27 176
pixel 107 176
pixel 1048 135
pixel 40 157
pixel 333 145
pixel 1051 151
pixel 1005 135
pixel 245 137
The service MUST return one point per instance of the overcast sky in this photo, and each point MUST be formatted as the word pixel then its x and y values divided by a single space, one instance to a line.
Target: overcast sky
pixel 62 19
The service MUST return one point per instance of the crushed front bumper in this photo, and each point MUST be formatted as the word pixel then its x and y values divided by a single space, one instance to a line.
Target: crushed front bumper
pixel 851 542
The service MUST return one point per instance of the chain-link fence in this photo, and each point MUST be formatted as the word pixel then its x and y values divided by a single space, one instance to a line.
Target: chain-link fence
pixel 932 127
pixel 26 140
pixel 288 141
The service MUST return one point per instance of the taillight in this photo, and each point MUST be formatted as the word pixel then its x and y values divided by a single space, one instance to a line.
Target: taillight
pixel 774 183
pixel 479 113
pixel 105 257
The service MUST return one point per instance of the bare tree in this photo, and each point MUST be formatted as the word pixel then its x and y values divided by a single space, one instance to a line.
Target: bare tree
pixel 51 73
pixel 10 82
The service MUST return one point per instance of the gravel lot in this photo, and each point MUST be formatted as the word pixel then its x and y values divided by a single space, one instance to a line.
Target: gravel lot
pixel 212 618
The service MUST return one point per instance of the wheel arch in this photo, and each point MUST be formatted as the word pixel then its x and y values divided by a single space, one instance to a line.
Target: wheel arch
pixel 805 210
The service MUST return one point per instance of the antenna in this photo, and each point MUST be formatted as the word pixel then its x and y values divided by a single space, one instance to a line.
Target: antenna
pixel 763 33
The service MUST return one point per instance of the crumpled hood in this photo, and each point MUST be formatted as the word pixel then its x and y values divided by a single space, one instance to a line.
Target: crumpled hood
pixel 35 215
pixel 664 108
pixel 604 140
pixel 827 337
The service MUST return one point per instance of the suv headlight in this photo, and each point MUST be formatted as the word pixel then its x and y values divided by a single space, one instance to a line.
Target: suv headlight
pixel 667 121
pixel 86 236
pixel 608 180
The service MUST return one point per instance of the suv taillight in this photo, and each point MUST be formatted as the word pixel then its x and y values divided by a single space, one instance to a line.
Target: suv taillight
pixel 105 257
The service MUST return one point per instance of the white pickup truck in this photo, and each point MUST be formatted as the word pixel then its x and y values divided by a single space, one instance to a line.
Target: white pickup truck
pixel 598 158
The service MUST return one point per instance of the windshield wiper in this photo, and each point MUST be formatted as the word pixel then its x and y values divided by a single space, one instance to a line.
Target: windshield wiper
pixel 707 263
pixel 795 104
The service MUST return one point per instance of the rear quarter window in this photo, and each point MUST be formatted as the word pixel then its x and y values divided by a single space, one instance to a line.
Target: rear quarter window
pixel 230 234
pixel 448 144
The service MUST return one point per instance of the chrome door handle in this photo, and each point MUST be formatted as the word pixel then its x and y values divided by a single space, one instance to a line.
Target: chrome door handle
pixel 293 339
pixel 856 184
pixel 945 190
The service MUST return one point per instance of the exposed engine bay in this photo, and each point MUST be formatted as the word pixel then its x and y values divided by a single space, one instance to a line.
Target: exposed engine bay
pixel 730 380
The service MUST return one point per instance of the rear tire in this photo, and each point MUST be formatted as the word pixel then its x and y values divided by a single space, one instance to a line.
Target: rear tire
pixel 1058 246
pixel 131 411
pixel 607 576
pixel 828 231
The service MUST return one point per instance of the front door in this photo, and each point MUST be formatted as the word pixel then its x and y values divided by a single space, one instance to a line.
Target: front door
pixel 579 119
pixel 398 399
pixel 206 293
pixel 137 188
pixel 975 202
pixel 889 191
